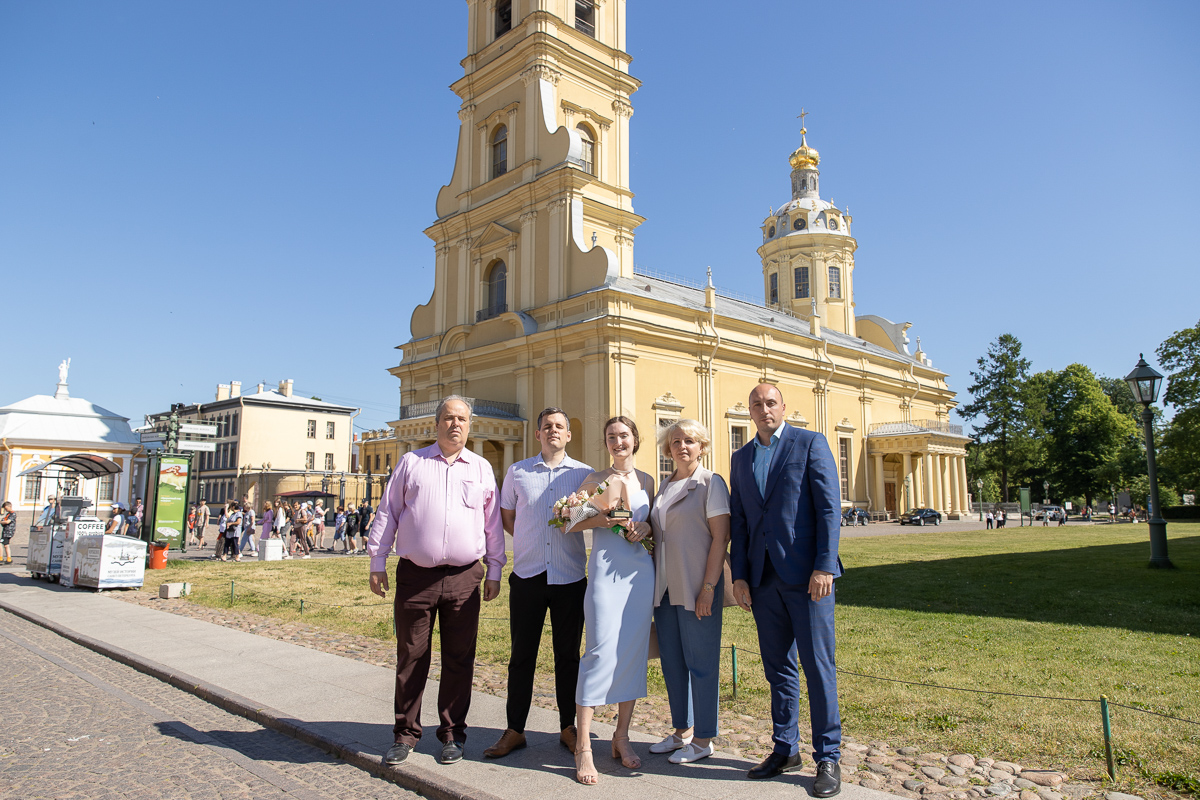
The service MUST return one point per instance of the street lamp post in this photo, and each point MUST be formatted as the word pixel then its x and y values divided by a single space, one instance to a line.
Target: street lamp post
pixel 979 496
pixel 1045 493
pixel 1145 382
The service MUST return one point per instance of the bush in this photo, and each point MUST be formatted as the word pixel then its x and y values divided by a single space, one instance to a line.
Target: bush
pixel 1181 512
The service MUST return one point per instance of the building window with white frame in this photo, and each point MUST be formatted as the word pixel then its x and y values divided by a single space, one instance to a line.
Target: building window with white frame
pixel 33 488
pixel 312 429
pixel 801 277
pixel 310 460
pixel 844 465
pixel 500 152
pixel 589 148
pixel 835 282
pixel 585 17
pixel 329 428
pixel 106 488
pixel 737 438
pixel 666 465
pixel 329 462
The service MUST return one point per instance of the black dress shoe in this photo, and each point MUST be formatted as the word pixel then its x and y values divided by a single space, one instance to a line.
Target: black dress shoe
pixel 775 764
pixel 829 779
pixel 397 753
pixel 452 752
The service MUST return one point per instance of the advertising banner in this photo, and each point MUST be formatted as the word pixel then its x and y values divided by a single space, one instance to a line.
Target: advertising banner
pixel 170 503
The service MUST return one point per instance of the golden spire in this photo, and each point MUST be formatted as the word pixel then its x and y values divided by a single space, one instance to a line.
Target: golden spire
pixel 805 157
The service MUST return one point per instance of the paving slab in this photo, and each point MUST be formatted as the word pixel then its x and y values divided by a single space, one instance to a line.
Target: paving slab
pixel 344 706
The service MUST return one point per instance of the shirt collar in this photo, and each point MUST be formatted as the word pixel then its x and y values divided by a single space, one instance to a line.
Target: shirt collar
pixel 566 461
pixel 758 445
pixel 466 455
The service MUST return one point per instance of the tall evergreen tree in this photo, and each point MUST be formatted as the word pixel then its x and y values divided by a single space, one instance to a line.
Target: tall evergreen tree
pixel 998 393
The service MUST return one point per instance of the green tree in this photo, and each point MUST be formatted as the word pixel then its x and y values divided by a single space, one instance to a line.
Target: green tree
pixel 1085 433
pixel 999 399
pixel 1180 455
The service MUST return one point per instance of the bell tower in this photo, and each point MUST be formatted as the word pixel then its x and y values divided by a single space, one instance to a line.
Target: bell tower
pixel 807 252
pixel 538 206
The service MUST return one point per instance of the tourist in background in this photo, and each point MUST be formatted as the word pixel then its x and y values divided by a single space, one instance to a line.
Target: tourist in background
pixel 352 530
pixel 691 533
pixel 8 529
pixel 233 530
pixel 247 539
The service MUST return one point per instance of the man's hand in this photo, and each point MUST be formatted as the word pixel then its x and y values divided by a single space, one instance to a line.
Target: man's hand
pixel 491 590
pixel 379 583
pixel 741 594
pixel 820 585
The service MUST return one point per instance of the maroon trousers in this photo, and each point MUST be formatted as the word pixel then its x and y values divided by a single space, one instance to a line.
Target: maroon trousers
pixel 451 596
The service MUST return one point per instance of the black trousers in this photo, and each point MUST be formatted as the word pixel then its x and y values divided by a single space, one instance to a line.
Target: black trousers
pixel 528 600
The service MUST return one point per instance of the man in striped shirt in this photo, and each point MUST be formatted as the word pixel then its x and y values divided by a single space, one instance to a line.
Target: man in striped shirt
pixel 548 575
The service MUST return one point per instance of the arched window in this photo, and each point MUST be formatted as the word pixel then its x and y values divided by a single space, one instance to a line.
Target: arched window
pixel 589 148
pixel 503 17
pixel 496 286
pixel 835 282
pixel 500 152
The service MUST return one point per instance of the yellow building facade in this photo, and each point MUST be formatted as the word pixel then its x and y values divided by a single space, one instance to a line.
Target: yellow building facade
pixel 536 301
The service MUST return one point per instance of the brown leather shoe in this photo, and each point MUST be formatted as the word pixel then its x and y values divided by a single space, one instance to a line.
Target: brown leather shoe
pixel 569 737
pixel 509 741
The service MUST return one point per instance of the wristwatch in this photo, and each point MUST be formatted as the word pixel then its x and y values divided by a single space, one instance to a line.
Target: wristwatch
pixel 710 587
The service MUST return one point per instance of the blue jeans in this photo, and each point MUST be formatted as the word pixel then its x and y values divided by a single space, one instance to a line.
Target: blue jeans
pixel 690 650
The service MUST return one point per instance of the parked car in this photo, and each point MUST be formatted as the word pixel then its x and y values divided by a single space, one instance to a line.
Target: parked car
pixel 921 516
pixel 855 516
pixel 1055 512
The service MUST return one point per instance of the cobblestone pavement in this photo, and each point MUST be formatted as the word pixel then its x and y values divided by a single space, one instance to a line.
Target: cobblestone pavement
pixel 79 725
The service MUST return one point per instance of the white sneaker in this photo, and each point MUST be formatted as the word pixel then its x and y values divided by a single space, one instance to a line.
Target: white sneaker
pixel 670 744
pixel 692 752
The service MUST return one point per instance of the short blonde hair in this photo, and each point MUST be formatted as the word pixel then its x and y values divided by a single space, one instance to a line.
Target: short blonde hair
pixel 688 427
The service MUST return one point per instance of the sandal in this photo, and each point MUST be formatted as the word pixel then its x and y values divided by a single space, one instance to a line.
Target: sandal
pixel 585 775
pixel 630 761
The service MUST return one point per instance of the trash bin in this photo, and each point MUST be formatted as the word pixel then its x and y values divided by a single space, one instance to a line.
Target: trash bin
pixel 158 555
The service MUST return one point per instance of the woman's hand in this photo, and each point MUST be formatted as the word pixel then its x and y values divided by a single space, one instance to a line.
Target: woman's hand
pixel 704 602
pixel 635 531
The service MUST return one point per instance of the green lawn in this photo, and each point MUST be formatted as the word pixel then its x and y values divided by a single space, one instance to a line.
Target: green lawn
pixel 1063 612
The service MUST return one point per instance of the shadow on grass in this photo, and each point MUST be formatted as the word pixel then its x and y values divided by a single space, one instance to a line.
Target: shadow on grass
pixel 1105 586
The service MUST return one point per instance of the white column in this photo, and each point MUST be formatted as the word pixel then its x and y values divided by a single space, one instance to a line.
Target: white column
pixel 955 484
pixel 929 500
pixel 962 476
pixel 878 504
pixel 508 457
pixel 906 479
pixel 477 445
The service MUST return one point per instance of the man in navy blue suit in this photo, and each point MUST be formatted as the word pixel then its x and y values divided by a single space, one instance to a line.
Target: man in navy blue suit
pixel 785 524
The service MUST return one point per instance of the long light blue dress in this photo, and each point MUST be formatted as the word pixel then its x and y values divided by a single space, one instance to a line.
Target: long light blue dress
pixel 617 610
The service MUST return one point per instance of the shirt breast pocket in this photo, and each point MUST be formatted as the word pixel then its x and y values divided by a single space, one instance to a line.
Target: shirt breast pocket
pixel 472 494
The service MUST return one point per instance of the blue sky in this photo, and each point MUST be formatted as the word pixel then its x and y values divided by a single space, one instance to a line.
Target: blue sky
pixel 197 192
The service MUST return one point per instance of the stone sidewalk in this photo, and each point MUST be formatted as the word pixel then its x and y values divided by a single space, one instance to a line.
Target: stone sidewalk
pixel 344 706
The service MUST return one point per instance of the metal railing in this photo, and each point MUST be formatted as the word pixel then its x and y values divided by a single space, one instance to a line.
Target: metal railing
pixel 491 311
pixel 585 27
pixel 679 280
pixel 916 426
pixel 482 408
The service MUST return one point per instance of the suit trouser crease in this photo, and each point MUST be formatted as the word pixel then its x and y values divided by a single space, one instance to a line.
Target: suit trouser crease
pixel 529 600
pixel 690 652
pixel 790 624
pixel 449 596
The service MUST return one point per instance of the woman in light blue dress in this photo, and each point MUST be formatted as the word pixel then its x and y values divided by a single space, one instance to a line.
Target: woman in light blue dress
pixel 619 603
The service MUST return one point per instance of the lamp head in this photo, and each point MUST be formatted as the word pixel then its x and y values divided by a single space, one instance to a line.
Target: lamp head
pixel 1144 381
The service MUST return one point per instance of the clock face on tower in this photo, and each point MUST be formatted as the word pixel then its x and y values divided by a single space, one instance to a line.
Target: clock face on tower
pixel 771 232
pixel 800 224
pixel 833 225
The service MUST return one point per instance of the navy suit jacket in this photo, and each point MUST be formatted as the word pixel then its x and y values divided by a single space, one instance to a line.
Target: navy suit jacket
pixel 798 521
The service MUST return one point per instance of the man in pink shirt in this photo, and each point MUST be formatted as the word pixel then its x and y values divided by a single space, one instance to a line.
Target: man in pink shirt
pixel 442 510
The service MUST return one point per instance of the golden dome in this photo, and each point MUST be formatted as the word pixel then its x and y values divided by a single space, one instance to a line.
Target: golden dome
pixel 805 157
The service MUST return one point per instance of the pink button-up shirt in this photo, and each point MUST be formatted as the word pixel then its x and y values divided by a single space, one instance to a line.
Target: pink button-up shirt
pixel 440 513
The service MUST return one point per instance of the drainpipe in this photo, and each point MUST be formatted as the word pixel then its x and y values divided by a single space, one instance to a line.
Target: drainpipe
pixel 350 447
pixel 7 467
pixel 710 302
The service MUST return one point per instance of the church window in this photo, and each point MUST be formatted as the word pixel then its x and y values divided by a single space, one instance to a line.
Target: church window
pixel 835 282
pixel 589 148
pixel 774 293
pixel 804 183
pixel 800 224
pixel 585 17
pixel 500 152
pixel 737 438
pixel 503 17
pixel 771 232
pixel 497 292
pixel 801 275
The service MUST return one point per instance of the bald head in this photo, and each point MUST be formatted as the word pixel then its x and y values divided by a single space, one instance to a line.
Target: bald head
pixel 766 409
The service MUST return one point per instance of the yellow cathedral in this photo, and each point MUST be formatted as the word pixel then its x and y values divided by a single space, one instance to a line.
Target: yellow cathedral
pixel 536 301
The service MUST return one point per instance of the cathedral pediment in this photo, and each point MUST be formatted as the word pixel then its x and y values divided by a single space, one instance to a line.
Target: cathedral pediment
pixel 494 234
